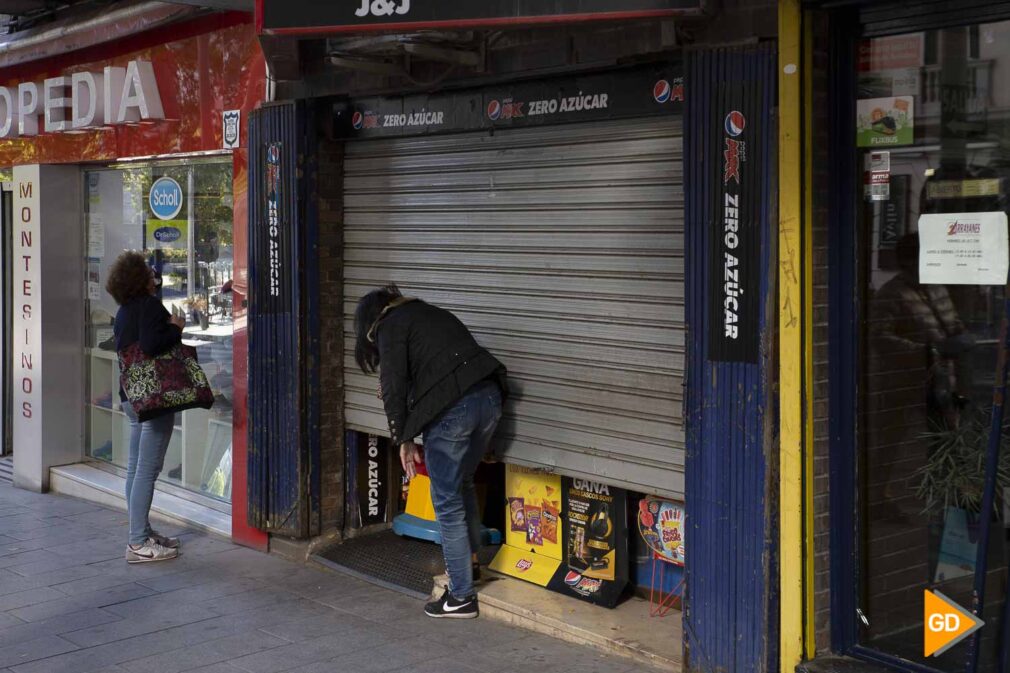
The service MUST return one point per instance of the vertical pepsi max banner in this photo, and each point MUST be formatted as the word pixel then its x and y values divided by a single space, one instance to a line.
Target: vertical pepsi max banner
pixel 735 233
pixel 274 283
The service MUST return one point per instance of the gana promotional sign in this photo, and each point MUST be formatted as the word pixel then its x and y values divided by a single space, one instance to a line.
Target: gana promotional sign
pixel 81 101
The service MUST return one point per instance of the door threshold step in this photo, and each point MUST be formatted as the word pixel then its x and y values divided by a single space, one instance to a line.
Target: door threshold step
pixel 86 482
pixel 627 630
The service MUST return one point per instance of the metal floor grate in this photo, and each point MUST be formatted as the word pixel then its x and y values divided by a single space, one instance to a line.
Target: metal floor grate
pixel 7 469
pixel 402 562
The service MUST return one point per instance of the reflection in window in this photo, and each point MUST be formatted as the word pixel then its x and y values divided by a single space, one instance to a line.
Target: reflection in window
pixel 189 244
pixel 929 350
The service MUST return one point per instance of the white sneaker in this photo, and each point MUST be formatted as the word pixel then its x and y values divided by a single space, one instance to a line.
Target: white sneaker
pixel 165 541
pixel 150 552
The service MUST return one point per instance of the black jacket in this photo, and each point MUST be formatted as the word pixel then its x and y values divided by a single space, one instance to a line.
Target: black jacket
pixel 427 360
pixel 145 319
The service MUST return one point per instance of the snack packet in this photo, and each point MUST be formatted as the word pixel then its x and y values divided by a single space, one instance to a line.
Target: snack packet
pixel 549 525
pixel 534 532
pixel 517 515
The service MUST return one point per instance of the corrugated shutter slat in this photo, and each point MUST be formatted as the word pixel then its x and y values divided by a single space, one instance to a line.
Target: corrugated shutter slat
pixel 563 251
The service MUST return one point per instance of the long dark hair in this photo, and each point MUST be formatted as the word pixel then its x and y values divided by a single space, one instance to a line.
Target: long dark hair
pixel 366 353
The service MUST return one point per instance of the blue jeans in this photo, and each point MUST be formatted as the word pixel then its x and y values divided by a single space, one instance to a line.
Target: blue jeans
pixel 454 444
pixel 148 445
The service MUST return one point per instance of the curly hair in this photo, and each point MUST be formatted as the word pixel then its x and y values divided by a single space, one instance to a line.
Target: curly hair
pixel 129 277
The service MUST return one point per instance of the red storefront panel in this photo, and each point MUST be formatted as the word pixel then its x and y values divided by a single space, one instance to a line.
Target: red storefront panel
pixel 203 67
pixel 199 76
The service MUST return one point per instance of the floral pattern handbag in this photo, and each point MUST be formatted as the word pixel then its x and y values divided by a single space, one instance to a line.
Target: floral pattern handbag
pixel 164 384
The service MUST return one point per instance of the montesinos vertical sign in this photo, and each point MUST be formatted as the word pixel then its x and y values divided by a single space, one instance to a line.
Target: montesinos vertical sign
pixel 81 101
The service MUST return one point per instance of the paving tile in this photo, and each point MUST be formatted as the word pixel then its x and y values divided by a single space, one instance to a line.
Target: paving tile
pixel 8 622
pixel 90 581
pixel 13 546
pixel 249 600
pixel 311 651
pixel 27 557
pixel 223 609
pixel 443 665
pixel 99 518
pixel 57 533
pixel 386 606
pixel 217 668
pixel 209 653
pixel 23 631
pixel 69 604
pixel 545 654
pixel 32 650
pixel 48 565
pixel 94 659
pixel 151 621
pixel 188 578
pixel 203 545
pixel 13 525
pixel 92 550
pixel 467 635
pixel 303 630
pixel 12 582
pixel 21 599
pixel 384 658
pixel 64 507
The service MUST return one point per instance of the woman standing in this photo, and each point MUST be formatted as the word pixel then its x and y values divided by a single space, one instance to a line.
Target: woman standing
pixel 436 380
pixel 143 318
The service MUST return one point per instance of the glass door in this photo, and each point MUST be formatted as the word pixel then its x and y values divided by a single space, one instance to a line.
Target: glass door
pixel 933 140
pixel 179 214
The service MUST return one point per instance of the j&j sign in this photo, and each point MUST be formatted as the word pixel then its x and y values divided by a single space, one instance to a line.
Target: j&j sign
pixel 292 16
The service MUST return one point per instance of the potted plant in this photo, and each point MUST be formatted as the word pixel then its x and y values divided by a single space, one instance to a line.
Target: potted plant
pixel 951 484
pixel 954 472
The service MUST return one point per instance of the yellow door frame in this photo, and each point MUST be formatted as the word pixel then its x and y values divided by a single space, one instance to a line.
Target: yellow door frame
pixel 795 324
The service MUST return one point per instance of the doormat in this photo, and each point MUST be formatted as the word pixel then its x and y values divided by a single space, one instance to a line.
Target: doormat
pixel 399 563
pixel 392 561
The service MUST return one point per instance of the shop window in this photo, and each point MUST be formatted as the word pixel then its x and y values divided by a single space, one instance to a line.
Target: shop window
pixel 186 235
pixel 933 143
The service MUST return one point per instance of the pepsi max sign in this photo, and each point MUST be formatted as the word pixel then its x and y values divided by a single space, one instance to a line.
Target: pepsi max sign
pixel 665 91
pixel 165 198
pixel 735 123
pixel 736 170
pixel 621 94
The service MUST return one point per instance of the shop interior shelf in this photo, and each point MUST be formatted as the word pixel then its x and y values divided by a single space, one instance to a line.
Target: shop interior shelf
pixel 200 444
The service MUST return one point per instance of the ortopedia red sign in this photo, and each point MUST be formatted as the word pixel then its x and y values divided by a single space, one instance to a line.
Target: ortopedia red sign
pixel 163 98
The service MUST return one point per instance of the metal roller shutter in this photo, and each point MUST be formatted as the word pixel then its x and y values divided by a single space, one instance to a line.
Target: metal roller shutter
pixel 562 248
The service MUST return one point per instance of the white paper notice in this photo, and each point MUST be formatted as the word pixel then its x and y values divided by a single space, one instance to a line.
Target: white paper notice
pixel 963 249
pixel 94 291
pixel 96 236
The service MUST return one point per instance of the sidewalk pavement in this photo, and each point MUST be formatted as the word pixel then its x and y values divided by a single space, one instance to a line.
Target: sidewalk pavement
pixel 69 603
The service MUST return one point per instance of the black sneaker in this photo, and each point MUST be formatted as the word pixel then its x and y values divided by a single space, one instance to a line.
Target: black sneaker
pixel 449 607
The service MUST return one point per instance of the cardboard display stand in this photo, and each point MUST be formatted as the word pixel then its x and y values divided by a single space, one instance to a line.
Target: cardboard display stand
pixel 568 535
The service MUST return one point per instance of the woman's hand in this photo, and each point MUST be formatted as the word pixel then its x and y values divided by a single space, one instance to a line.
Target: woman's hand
pixel 410 458
pixel 178 320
